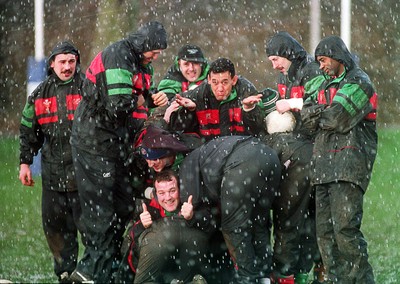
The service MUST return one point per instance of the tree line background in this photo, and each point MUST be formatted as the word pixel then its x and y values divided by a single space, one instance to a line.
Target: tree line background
pixel 222 28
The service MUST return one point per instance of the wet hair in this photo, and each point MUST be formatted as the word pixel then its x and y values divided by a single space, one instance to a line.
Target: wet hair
pixel 165 175
pixel 222 65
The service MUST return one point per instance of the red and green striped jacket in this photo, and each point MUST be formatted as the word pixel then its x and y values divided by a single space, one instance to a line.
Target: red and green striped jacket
pixel 46 124
pixel 214 118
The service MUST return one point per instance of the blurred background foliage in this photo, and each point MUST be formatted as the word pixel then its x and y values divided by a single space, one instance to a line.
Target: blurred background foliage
pixel 229 28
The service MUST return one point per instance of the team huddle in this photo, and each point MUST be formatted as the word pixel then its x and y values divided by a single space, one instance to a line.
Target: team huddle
pixel 203 178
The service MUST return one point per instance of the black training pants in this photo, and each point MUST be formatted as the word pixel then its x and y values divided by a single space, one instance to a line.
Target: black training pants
pixel 295 247
pixel 107 205
pixel 61 213
pixel 251 177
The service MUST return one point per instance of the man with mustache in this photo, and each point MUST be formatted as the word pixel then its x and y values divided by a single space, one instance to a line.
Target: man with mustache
pixel 295 247
pixel 46 124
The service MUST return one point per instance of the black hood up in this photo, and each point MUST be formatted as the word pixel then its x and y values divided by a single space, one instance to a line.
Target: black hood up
pixel 150 36
pixel 284 45
pixel 334 47
pixel 63 47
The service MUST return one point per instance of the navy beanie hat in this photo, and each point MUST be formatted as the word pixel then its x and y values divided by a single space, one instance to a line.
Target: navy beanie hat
pixel 154 153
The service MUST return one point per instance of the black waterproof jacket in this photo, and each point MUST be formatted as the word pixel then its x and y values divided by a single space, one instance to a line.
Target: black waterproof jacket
pixel 342 117
pixel 47 122
pixel 304 76
pixel 113 82
pixel 213 118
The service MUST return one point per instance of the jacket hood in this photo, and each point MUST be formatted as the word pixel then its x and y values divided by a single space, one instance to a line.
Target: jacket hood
pixel 150 36
pixel 284 45
pixel 63 47
pixel 334 47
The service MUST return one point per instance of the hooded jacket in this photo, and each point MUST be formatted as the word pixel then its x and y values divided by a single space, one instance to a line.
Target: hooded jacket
pixel 342 115
pixel 113 82
pixel 63 47
pixel 304 76
pixel 47 122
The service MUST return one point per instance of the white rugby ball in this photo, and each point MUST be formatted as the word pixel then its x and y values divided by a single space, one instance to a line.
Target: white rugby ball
pixel 280 122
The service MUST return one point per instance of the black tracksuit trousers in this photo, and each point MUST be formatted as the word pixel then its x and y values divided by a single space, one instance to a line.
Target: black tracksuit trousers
pixel 295 247
pixel 107 206
pixel 61 221
pixel 251 177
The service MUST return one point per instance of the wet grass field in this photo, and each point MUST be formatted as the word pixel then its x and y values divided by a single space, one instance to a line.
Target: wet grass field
pixel 25 257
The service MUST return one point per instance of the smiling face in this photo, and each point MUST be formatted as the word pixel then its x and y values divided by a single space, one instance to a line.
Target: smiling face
pixel 167 194
pixel 221 84
pixel 330 66
pixel 190 70
pixel 64 65
pixel 281 64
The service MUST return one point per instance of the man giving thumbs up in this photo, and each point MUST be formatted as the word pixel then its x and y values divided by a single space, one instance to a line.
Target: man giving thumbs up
pixel 164 246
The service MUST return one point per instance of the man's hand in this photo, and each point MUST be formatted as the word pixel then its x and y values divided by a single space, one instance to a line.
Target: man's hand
pixel 187 209
pixel 185 102
pixel 140 101
pixel 173 107
pixel 250 102
pixel 145 217
pixel 160 99
pixel 285 105
pixel 25 175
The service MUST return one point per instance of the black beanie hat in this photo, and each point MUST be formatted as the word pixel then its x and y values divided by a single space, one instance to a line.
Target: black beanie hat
pixel 191 53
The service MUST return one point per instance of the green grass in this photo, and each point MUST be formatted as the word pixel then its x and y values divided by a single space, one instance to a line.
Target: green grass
pixel 382 210
pixel 25 257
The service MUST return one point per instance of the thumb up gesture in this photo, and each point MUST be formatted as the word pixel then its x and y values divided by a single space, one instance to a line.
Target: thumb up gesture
pixel 187 209
pixel 145 217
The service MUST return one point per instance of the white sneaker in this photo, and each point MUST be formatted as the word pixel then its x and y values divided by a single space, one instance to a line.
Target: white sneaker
pixel 78 277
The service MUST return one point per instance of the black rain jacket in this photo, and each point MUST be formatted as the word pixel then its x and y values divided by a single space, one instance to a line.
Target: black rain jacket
pixel 47 122
pixel 113 82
